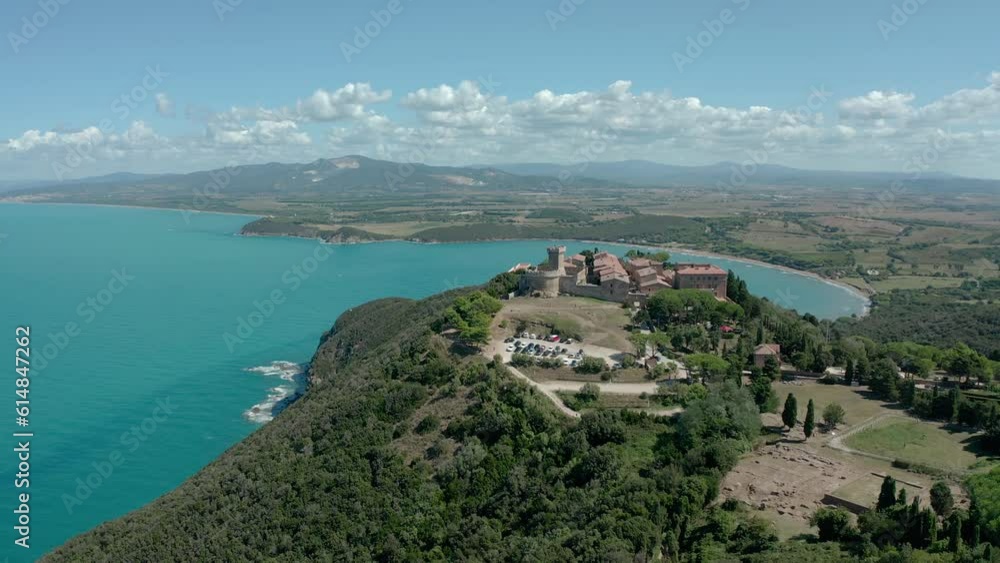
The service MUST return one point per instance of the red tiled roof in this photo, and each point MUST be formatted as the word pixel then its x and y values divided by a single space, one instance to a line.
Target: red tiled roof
pixel 700 269
pixel 769 349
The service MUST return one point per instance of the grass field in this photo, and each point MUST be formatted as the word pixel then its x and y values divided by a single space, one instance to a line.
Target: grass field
pixel 914 282
pixel 918 441
pixel 600 323
pixel 857 406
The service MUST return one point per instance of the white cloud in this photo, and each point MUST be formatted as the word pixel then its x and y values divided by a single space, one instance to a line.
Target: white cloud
pixel 469 122
pixel 260 133
pixel 348 101
pixel 878 105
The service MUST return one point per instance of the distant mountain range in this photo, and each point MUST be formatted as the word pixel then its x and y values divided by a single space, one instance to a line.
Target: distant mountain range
pixel 356 173
pixel 647 173
pixel 328 175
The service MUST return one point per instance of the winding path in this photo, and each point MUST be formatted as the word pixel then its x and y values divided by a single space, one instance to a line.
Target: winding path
pixel 837 442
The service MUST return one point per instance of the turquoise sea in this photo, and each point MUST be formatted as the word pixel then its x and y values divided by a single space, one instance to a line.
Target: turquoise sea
pixel 135 383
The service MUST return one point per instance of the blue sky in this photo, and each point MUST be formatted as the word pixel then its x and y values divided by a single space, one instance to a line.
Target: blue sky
pixel 457 82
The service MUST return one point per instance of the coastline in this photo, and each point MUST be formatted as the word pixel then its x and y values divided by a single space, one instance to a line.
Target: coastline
pixel 700 253
pixel 126 206
pixel 670 248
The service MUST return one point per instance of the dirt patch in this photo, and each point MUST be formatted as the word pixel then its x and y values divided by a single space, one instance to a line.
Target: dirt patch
pixel 788 479
pixel 415 445
pixel 599 323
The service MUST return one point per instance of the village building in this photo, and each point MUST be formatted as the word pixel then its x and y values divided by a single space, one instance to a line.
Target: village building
pixel 610 278
pixel 764 351
pixel 701 276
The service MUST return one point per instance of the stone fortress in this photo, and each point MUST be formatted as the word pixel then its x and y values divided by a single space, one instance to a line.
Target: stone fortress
pixel 610 278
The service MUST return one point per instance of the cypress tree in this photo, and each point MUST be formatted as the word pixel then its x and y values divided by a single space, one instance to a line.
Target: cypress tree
pixel 849 372
pixel 887 495
pixel 791 413
pixel 810 423
pixel 954 533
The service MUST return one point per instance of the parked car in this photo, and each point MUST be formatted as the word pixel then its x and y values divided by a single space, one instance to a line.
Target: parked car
pixel 510 347
pixel 509 339
pixel 524 334
pixel 568 341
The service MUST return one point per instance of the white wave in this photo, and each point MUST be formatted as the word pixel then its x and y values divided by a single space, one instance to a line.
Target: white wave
pixel 281 396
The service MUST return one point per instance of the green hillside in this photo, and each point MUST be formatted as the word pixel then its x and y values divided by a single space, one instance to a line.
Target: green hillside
pixel 407 447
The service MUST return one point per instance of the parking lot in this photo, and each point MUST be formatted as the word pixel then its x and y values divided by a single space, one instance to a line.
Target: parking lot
pixel 567 352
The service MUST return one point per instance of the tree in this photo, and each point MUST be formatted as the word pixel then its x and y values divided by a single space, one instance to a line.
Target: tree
pixel 955 532
pixel 884 380
pixel 834 524
pixel 763 394
pixel 966 363
pixel 810 424
pixel 849 372
pixel 887 495
pixel 771 368
pixel 707 366
pixel 591 364
pixel 471 315
pixel 941 500
pixel 833 415
pixel 589 393
pixel 791 413
pixel 907 393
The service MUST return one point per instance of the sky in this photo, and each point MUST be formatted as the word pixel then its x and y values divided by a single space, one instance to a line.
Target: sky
pixel 99 86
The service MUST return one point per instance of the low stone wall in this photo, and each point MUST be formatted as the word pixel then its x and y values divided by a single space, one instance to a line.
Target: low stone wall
pixel 854 507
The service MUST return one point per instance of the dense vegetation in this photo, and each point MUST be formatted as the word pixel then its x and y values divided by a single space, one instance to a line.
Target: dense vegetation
pixel 404 448
pixel 941 317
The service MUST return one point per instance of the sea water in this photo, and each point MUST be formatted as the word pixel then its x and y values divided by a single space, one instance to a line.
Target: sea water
pixel 159 339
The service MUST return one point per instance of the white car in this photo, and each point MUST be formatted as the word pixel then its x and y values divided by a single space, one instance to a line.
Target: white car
pixel 510 347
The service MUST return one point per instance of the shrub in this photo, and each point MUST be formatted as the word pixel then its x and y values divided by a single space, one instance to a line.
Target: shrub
pixel 589 393
pixel 429 423
pixel 834 524
pixel 521 360
pixel 833 414
pixel 590 364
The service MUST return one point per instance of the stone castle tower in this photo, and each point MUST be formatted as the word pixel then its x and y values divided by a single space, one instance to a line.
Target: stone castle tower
pixel 556 256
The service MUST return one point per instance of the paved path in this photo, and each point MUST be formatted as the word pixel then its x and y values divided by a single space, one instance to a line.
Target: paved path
pixel 550 388
pixel 837 442
pixel 606 387
pixel 547 392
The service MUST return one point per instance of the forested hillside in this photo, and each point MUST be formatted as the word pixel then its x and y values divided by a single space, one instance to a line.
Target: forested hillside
pixel 409 447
